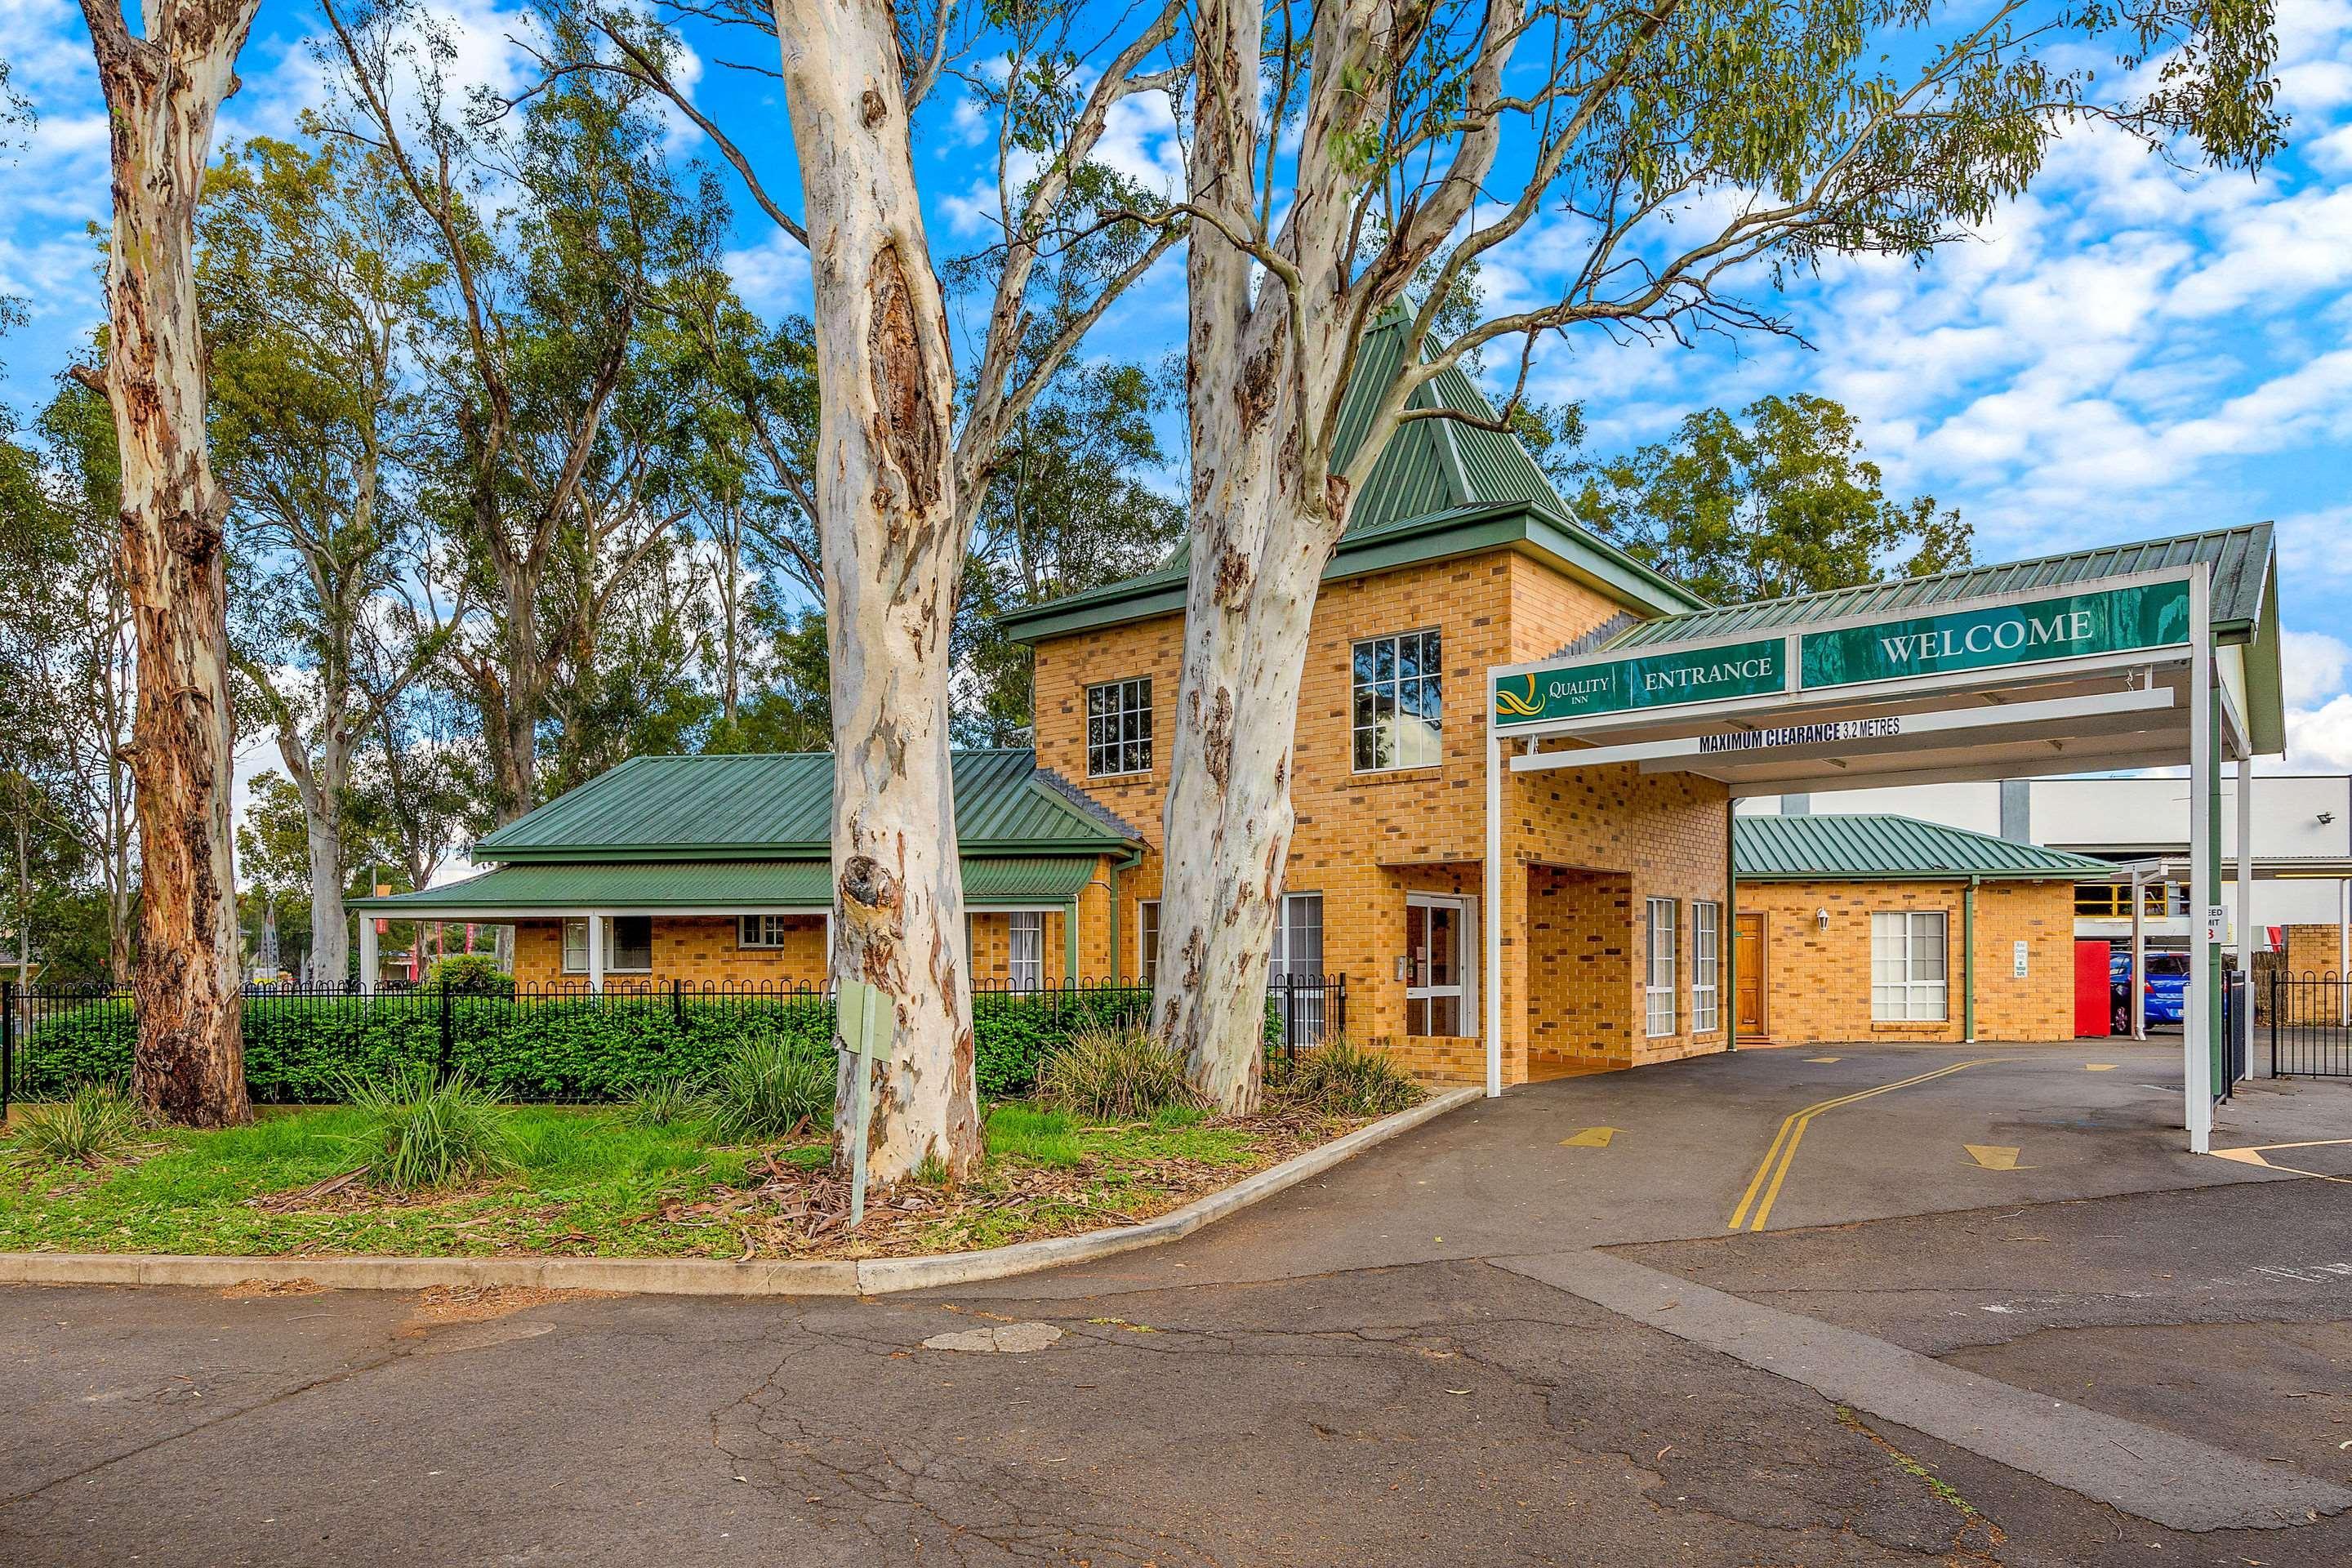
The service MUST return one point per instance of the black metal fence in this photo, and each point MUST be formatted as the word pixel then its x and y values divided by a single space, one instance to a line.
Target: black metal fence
pixel 2310 1018
pixel 304 1044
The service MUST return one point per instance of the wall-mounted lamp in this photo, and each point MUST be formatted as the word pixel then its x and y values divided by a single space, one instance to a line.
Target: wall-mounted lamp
pixel 2325 818
pixel 1821 920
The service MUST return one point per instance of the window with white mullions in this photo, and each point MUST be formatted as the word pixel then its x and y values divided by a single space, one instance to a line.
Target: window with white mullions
pixel 1706 966
pixel 1119 728
pixel 1296 971
pixel 1909 973
pixel 1146 941
pixel 1658 992
pixel 1025 949
pixel 1399 702
pixel 628 945
pixel 761 930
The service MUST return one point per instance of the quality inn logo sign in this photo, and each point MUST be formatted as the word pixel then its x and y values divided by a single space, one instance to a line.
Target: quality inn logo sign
pixel 1648 680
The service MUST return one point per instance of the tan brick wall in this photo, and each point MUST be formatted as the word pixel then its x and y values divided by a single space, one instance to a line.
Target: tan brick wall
pixel 1364 840
pixel 700 950
pixel 1817 981
pixel 2313 950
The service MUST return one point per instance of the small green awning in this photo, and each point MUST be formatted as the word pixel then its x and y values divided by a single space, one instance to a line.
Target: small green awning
pixel 545 890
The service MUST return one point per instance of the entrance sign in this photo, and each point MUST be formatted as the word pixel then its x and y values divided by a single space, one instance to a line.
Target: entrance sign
pixel 1648 680
pixel 2066 626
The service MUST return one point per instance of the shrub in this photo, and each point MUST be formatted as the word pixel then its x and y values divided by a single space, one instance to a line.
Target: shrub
pixel 428 1130
pixel 92 1125
pixel 470 974
pixel 1343 1079
pixel 1115 1075
pixel 664 1102
pixel 768 1088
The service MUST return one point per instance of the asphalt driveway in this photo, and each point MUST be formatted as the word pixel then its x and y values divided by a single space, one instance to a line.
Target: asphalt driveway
pixel 1372 1368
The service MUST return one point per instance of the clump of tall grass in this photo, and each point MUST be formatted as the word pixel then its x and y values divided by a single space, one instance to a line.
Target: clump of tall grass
pixel 1342 1078
pixel 663 1102
pixel 94 1124
pixel 423 1131
pixel 767 1089
pixel 1114 1074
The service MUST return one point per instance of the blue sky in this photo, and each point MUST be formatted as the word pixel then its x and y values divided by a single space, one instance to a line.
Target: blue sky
pixel 2131 350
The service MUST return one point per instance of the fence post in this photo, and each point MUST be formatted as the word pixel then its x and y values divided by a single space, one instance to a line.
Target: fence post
pixel 448 1028
pixel 2275 1013
pixel 677 1002
pixel 8 1046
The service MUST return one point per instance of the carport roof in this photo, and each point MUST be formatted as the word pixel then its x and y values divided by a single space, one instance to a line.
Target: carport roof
pixel 1886 848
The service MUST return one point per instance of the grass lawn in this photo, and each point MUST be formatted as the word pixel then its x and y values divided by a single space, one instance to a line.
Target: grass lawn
pixel 588 1183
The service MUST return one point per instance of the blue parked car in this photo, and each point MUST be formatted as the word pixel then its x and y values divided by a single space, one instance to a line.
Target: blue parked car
pixel 2168 988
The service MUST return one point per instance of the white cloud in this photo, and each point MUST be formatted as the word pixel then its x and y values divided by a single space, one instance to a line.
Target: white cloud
pixel 2313 664
pixel 773 276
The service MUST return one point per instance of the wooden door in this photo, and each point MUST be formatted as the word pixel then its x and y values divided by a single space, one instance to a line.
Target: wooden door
pixel 1747 958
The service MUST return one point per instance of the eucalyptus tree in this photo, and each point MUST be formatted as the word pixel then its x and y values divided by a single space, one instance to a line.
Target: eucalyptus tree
pixel 163 86
pixel 558 223
pixel 1359 156
pixel 314 283
pixel 901 469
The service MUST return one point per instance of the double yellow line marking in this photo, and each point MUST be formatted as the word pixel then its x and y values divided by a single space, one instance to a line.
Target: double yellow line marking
pixel 1776 1160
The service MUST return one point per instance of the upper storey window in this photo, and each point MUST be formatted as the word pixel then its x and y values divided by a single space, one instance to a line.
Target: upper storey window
pixel 1399 701
pixel 1119 728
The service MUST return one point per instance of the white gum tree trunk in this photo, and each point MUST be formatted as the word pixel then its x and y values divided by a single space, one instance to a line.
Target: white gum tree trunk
pixel 162 92
pixel 892 558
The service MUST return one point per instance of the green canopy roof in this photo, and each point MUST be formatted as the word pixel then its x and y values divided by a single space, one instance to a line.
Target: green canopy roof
pixel 1895 848
pixel 779 806
pixel 550 888
pixel 1441 488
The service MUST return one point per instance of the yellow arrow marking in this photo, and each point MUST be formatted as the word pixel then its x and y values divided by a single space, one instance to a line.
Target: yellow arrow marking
pixel 2253 1156
pixel 1992 1156
pixel 1825 1058
pixel 1778 1158
pixel 1592 1138
pixel 2098 1067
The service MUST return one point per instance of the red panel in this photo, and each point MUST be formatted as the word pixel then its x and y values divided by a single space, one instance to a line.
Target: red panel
pixel 2094 1007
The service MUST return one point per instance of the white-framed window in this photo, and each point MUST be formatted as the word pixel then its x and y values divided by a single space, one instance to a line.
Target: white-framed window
pixel 1119 728
pixel 1399 702
pixel 1146 941
pixel 1909 976
pixel 1658 989
pixel 1706 966
pixel 761 930
pixel 1298 936
pixel 628 945
pixel 1024 955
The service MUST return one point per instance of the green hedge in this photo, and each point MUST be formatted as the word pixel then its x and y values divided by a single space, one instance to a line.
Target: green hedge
pixel 299 1050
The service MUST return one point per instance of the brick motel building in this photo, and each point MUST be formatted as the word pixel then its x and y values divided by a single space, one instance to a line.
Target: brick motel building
pixel 1489 684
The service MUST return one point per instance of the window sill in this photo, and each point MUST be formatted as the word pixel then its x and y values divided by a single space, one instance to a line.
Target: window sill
pixel 1396 775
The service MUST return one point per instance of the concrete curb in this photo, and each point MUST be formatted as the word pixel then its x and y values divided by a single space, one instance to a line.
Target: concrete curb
pixel 713 1276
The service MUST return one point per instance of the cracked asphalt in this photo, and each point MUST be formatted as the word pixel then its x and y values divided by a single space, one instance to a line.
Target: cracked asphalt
pixel 1340 1375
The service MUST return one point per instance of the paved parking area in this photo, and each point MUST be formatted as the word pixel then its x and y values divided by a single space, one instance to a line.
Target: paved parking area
pixel 1368 1369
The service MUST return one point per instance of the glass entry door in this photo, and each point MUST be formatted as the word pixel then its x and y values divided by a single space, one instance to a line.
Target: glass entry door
pixel 1438 998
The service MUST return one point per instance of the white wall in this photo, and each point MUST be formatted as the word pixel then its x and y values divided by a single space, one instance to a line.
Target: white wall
pixel 1975 806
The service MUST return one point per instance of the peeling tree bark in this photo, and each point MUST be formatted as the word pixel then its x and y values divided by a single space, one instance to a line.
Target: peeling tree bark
pixel 892 558
pixel 162 92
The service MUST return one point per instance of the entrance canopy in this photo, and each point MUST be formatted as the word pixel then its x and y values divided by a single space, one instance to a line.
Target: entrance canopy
pixel 2130 656
pixel 2080 663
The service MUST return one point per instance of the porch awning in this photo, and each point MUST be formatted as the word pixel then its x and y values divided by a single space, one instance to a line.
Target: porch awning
pixel 545 890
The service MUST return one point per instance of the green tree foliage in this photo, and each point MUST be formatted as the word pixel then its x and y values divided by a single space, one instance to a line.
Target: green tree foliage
pixel 1778 499
pixel 1072 506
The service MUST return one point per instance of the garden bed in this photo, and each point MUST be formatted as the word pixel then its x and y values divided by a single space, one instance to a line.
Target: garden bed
pixel 588 1183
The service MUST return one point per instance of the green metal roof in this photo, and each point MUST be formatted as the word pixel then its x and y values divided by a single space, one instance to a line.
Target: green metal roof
pixel 2244 573
pixel 1897 849
pixel 779 806
pixel 1441 488
pixel 554 887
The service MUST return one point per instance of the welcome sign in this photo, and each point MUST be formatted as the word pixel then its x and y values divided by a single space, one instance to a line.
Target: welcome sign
pixel 2065 625
pixel 1756 668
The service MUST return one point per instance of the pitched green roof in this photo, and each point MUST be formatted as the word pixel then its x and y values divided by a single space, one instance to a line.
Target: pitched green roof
pixel 779 806
pixel 2245 576
pixel 1441 488
pixel 1897 849
pixel 556 888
